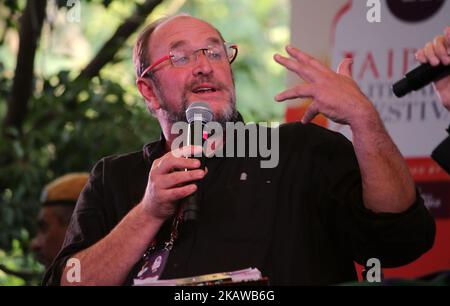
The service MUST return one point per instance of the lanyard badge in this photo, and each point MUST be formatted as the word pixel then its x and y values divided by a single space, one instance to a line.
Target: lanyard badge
pixel 155 259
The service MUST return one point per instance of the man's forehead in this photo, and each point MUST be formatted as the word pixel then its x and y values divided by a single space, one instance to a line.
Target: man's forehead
pixel 182 30
pixel 184 42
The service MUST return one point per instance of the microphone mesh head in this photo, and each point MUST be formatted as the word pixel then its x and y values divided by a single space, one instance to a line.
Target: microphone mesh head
pixel 199 111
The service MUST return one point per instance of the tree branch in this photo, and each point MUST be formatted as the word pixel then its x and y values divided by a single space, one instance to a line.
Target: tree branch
pixel 22 88
pixel 113 45
pixel 25 275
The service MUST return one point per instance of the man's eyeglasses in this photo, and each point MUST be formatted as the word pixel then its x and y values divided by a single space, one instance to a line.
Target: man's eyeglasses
pixel 184 58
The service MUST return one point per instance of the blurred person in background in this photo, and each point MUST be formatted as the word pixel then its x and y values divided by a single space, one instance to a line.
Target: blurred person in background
pixel 58 202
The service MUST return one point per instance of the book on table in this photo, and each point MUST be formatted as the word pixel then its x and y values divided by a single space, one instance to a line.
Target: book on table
pixel 249 276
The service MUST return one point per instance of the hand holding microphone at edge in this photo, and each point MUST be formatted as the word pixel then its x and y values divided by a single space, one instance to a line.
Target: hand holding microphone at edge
pixel 437 52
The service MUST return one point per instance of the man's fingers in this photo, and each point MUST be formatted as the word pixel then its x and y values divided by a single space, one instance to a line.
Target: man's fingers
pixel 430 54
pixel 437 51
pixel 447 38
pixel 305 59
pixel 176 159
pixel 168 163
pixel 176 178
pixel 175 194
pixel 188 151
pixel 303 71
pixel 345 67
pixel 420 56
pixel 299 91
pixel 441 50
pixel 311 112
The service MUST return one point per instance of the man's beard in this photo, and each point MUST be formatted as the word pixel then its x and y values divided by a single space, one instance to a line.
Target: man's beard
pixel 228 114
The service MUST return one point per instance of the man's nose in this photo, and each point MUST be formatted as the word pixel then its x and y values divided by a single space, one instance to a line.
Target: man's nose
pixel 202 65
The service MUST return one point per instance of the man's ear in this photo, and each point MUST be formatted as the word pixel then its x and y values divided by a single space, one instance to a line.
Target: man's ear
pixel 147 90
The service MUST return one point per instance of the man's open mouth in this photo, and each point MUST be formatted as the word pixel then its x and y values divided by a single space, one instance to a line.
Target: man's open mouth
pixel 204 89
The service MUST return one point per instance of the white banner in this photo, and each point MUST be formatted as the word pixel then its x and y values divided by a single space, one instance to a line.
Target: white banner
pixel 383 51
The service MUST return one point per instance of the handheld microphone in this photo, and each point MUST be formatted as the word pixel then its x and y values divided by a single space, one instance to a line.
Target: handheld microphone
pixel 419 77
pixel 198 114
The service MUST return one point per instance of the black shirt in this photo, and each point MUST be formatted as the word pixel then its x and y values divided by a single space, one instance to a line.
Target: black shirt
pixel 441 154
pixel 302 222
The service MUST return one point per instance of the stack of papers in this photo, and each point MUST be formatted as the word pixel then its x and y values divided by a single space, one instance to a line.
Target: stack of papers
pixel 240 276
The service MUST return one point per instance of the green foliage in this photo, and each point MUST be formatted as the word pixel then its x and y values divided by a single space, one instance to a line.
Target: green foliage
pixel 63 133
pixel 18 257
pixel 70 125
